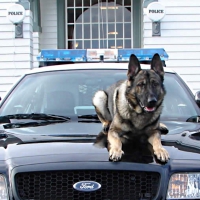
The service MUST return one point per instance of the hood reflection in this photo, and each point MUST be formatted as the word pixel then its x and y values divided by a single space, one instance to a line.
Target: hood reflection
pixel 137 150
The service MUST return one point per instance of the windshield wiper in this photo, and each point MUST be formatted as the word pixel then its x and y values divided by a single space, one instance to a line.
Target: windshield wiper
pixel 33 116
pixel 24 139
pixel 89 118
pixel 43 119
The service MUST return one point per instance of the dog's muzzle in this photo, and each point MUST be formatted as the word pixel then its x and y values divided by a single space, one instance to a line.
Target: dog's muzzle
pixel 151 105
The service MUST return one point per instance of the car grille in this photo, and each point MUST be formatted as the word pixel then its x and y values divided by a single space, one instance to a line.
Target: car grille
pixel 58 185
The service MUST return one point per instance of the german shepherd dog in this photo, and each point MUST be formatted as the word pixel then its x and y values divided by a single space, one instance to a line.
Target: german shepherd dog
pixel 132 108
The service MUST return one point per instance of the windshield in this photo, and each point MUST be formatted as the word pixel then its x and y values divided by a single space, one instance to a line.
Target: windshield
pixel 69 93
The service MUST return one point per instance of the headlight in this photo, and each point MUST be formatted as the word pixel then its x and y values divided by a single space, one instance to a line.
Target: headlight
pixel 184 186
pixel 3 188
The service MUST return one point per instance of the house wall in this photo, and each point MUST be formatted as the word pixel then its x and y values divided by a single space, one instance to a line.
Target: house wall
pixel 36 48
pixel 180 37
pixel 16 54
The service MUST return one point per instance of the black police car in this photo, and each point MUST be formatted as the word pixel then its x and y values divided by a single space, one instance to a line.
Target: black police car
pixel 48 127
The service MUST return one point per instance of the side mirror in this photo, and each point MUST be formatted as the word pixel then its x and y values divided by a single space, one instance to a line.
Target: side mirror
pixel 197 98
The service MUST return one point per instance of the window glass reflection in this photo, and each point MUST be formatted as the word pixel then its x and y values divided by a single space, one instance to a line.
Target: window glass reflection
pixel 127 43
pixel 119 30
pixel 85 16
pixel 78 31
pixel 86 44
pixel 103 31
pixel 111 44
pixel 94 13
pixel 95 33
pixel 95 44
pixel 86 31
pixel 111 31
pixel 103 44
pixel 127 30
pixel 119 44
pixel 103 24
pixel 78 44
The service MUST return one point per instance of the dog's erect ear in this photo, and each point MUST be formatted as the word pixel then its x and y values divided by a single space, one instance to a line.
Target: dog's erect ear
pixel 157 66
pixel 133 67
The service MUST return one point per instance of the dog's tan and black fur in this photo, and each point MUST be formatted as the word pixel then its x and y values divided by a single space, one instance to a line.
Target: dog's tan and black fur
pixel 132 108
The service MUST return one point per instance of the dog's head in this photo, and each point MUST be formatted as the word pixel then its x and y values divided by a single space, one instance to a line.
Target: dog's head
pixel 145 90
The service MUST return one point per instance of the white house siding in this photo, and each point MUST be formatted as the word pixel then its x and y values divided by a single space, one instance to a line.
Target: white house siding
pixel 48 37
pixel 180 37
pixel 36 48
pixel 15 54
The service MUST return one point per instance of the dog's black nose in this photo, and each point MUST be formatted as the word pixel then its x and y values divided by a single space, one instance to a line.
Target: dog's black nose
pixel 152 101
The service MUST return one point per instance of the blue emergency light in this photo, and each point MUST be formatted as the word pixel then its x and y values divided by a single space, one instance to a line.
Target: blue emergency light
pixel 99 55
pixel 62 55
pixel 142 54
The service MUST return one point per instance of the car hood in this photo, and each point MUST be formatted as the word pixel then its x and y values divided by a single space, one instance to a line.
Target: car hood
pixel 75 127
pixel 27 146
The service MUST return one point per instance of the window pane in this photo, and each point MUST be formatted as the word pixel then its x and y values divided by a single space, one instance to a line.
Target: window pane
pixel 70 15
pixel 78 3
pixel 111 31
pixel 78 14
pixel 78 44
pixel 111 44
pixel 95 33
pixel 95 44
pixel 127 15
pixel 111 15
pixel 94 1
pixel 78 31
pixel 119 44
pixel 70 3
pixel 86 44
pixel 70 44
pixel 86 16
pixel 86 2
pixel 102 16
pixel 87 31
pixel 119 14
pixel 127 43
pixel 120 2
pixel 70 31
pixel 127 30
pixel 127 2
pixel 128 8
pixel 103 31
pixel 94 12
pixel 103 44
pixel 119 29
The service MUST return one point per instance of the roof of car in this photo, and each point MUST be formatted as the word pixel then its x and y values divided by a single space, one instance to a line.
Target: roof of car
pixel 79 66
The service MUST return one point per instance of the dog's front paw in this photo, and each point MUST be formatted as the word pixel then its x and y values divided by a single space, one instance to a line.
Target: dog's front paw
pixel 162 154
pixel 115 154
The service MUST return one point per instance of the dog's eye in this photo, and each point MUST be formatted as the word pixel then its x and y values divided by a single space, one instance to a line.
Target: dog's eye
pixel 155 84
pixel 141 84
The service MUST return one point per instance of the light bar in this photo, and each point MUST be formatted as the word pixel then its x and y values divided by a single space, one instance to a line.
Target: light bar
pixel 102 55
pixel 142 54
pixel 99 55
pixel 60 55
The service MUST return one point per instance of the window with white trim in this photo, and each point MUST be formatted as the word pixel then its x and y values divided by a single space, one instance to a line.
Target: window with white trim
pixel 99 24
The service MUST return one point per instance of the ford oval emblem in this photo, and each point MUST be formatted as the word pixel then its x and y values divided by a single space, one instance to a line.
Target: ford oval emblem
pixel 87 186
